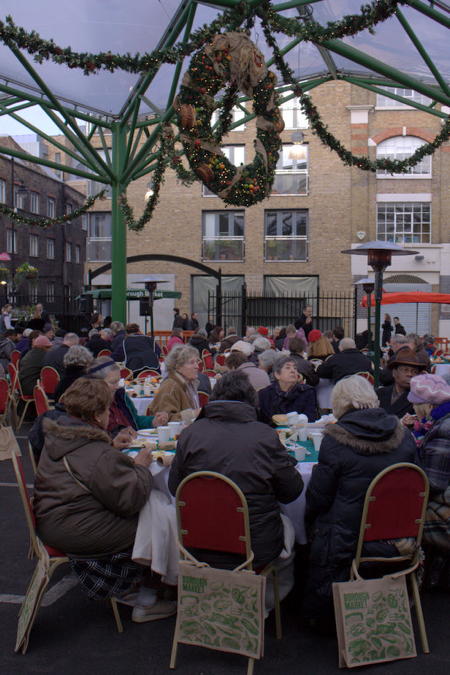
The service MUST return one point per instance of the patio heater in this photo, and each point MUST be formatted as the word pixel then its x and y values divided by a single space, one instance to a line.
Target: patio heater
pixel 379 256
pixel 150 284
pixel 368 286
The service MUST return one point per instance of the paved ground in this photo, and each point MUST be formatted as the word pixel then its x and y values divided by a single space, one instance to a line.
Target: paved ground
pixel 73 635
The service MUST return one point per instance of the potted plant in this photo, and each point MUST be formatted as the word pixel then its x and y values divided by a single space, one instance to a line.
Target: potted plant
pixel 4 273
pixel 25 271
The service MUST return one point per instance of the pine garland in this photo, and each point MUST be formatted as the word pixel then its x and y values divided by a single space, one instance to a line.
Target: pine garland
pixel 45 50
pixel 321 129
pixel 48 222
pixel 168 156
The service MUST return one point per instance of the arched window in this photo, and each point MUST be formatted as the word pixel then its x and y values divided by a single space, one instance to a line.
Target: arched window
pixel 401 147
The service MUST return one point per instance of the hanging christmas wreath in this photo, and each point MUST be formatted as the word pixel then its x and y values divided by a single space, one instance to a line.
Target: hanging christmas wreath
pixel 233 59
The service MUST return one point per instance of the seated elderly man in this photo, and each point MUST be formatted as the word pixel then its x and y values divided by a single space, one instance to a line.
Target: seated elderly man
pixel 227 438
pixel 348 361
pixel 394 398
pixel 55 356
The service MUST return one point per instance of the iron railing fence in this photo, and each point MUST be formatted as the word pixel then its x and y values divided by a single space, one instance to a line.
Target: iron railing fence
pixel 242 309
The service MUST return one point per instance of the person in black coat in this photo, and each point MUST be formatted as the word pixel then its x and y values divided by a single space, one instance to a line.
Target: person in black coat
pixel 387 330
pixel 285 394
pixel 200 341
pixel 76 362
pixel 55 355
pixel 305 321
pixel 349 361
pixel 394 398
pixel 227 438
pixel 364 441
pixel 399 329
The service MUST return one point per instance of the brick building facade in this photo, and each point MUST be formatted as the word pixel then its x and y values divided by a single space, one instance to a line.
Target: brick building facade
pixel 59 251
pixel 292 241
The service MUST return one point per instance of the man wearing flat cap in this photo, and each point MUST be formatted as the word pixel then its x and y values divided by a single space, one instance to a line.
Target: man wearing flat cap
pixel 405 364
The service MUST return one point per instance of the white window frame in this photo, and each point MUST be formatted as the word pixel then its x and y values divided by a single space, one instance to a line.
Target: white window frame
pixel 68 252
pixel 50 244
pixel 235 154
pixel 299 167
pixel 19 198
pixel 211 234
pixel 11 241
pixel 51 207
pixel 402 216
pixel 236 114
pixel 34 246
pixel 77 253
pixel 33 293
pixel 387 103
pixel 402 147
pixel 34 201
pixel 279 236
pixel 2 191
pixel 91 217
pixel 293 115
pixel 50 291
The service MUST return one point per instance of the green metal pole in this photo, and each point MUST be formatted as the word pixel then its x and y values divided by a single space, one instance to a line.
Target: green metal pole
pixel 118 230
pixel 376 346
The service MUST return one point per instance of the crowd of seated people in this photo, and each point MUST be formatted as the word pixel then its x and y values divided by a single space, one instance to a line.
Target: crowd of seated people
pixel 257 376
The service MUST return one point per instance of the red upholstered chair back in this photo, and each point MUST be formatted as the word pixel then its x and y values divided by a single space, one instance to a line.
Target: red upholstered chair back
pixel 126 373
pixel 395 503
pixel 207 359
pixel 148 373
pixel 220 359
pixel 40 400
pixel 213 514
pixel 13 378
pixel 15 357
pixel 210 373
pixel 367 376
pixel 203 398
pixel 49 380
pixel 105 352
pixel 4 395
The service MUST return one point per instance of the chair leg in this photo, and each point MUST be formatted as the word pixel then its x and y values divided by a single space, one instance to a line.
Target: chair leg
pixel 32 459
pixel 251 663
pixel 276 595
pixel 420 619
pixel 116 613
pixel 173 654
pixel 27 403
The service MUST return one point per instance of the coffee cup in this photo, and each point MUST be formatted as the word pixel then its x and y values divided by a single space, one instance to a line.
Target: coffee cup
pixel 292 418
pixel 163 434
pixel 174 429
pixel 316 437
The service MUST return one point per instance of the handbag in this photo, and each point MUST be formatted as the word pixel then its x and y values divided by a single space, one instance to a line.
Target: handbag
pixel 8 443
pixel 221 609
pixel 373 621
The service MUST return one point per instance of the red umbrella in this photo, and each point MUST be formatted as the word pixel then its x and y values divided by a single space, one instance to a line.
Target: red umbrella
pixel 412 296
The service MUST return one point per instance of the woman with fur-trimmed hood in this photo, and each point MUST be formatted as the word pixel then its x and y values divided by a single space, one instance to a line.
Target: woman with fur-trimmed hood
pixel 364 441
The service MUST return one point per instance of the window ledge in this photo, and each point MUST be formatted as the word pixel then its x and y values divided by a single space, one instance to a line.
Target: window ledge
pixel 418 176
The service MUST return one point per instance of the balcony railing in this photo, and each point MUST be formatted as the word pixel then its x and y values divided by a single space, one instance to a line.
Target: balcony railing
pixel 285 249
pixel 290 183
pixel 223 248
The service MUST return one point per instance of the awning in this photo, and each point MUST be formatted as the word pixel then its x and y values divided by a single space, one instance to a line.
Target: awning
pixel 132 294
pixel 418 296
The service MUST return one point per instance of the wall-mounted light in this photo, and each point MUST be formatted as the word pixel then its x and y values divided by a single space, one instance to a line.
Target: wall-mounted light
pixel 419 257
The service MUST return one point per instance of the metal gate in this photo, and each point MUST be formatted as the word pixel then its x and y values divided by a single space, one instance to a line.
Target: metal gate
pixel 243 309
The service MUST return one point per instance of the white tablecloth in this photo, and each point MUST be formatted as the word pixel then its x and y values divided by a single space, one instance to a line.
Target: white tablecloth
pixel 141 404
pixel 324 390
pixel 295 511
pixel 441 369
pixel 155 544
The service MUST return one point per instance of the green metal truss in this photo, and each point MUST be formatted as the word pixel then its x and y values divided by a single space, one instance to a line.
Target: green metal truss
pixel 130 151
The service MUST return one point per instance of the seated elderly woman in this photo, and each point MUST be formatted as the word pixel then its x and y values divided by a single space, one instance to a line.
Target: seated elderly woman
pixel 430 395
pixel 76 361
pixel 87 494
pixel 178 392
pixel 286 394
pixel 228 439
pixel 122 413
pixel 364 441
